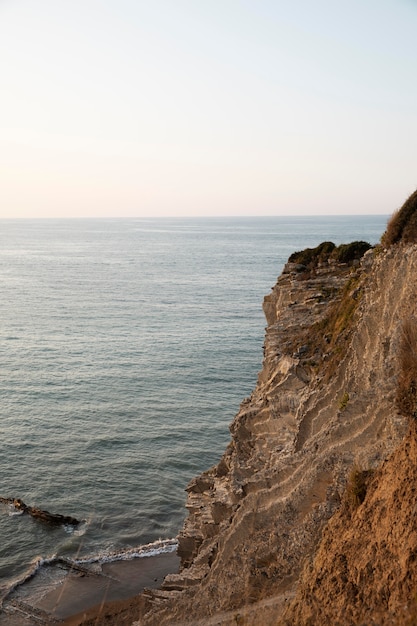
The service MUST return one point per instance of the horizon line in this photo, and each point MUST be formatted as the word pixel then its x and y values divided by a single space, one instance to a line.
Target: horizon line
pixel 197 217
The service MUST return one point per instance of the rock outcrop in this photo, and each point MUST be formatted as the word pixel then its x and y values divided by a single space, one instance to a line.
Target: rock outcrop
pixel 53 519
pixel 325 400
pixel 257 546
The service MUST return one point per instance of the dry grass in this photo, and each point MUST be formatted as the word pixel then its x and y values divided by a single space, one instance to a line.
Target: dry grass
pixel 407 379
pixel 344 401
pixel 328 339
pixel 403 224
pixel 357 485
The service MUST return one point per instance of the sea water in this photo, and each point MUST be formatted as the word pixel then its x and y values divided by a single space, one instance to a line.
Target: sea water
pixel 126 348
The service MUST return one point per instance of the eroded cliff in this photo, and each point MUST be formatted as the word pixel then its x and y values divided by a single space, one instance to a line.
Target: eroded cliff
pixel 365 570
pixel 325 399
pixel 257 546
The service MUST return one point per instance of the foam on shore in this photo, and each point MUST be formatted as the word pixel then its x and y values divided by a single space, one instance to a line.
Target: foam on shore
pixel 161 546
pixel 59 586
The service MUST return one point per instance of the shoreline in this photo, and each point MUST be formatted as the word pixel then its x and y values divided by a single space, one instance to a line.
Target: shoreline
pixel 84 592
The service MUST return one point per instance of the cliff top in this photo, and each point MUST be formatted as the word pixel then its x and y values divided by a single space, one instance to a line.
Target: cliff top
pixel 403 224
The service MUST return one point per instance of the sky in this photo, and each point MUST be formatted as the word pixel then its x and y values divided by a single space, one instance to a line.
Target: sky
pixel 148 108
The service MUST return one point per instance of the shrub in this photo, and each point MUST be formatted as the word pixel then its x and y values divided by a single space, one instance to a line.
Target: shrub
pixel 357 486
pixel 349 252
pixel 403 224
pixel 345 253
pixel 344 401
pixel 407 380
pixel 311 257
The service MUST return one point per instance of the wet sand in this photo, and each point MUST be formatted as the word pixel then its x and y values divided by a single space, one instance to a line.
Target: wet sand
pixel 83 594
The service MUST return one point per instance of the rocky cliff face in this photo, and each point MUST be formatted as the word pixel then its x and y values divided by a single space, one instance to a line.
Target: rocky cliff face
pixel 324 402
pixel 365 570
pixel 309 518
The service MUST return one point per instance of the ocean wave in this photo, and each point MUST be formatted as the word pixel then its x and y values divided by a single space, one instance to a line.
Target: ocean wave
pixel 77 531
pixel 161 546
pixel 12 512
pixel 33 569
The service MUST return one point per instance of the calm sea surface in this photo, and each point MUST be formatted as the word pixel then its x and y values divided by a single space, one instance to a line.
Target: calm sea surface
pixel 126 348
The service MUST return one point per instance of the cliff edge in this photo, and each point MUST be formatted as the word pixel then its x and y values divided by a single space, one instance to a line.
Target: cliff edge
pixel 320 438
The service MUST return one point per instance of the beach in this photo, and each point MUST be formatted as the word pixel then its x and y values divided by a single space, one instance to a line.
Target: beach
pixel 73 595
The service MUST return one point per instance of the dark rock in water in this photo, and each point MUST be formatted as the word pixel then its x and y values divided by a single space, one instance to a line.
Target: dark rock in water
pixel 44 516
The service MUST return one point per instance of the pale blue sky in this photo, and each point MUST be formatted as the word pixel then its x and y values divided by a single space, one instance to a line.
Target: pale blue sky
pixel 206 107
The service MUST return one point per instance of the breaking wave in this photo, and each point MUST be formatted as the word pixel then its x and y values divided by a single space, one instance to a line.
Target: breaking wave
pixel 66 564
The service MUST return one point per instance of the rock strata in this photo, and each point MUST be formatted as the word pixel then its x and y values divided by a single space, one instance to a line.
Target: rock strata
pixel 324 401
pixel 309 517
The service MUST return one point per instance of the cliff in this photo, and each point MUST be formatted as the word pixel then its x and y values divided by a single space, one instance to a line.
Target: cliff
pixel 309 516
pixel 365 570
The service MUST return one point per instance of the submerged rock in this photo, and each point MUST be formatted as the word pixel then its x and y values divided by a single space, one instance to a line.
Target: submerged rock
pixel 40 514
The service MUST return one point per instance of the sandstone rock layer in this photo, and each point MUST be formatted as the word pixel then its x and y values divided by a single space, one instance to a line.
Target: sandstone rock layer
pixel 325 399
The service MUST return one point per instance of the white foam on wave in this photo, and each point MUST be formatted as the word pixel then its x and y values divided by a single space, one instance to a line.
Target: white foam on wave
pixel 34 568
pixel 161 546
pixel 36 565
pixel 77 531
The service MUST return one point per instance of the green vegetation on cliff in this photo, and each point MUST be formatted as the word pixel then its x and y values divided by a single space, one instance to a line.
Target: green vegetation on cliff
pixel 327 251
pixel 325 340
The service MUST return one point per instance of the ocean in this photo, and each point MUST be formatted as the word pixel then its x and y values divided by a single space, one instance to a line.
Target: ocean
pixel 127 346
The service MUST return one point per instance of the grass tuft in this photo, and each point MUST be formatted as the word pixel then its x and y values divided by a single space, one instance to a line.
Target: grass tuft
pixel 407 380
pixel 403 224
pixel 344 401
pixel 357 486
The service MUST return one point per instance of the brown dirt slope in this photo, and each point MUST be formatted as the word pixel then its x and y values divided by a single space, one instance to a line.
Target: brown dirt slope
pixel 365 570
